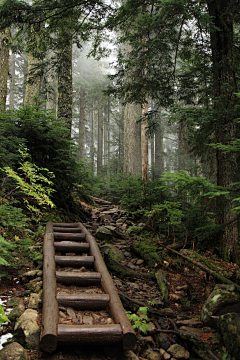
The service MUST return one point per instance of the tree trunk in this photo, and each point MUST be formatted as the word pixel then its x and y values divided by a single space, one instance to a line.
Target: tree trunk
pixel 82 124
pixel 34 79
pixel 12 82
pixel 121 140
pixel 153 157
pixel 108 138
pixel 100 140
pixel 93 139
pixel 224 89
pixel 4 65
pixel 51 83
pixel 132 139
pixel 65 90
pixel 144 140
pixel 105 136
pixel 159 152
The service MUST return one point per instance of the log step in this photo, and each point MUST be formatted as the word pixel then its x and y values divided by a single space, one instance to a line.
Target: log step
pixel 89 334
pixel 75 261
pixel 80 279
pixel 67 229
pixel 71 246
pixel 72 225
pixel 69 236
pixel 84 301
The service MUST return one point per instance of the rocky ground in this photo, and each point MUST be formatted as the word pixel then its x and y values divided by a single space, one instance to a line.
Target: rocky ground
pixel 187 316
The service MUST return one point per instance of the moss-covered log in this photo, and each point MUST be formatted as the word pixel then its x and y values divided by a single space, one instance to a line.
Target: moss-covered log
pixel 148 252
pixel 162 283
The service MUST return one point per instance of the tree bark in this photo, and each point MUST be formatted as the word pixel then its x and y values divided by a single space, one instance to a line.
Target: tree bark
pixel 144 141
pixel 4 65
pixel 12 82
pixel 65 90
pixel 224 89
pixel 93 140
pixel 100 140
pixel 82 124
pixel 132 139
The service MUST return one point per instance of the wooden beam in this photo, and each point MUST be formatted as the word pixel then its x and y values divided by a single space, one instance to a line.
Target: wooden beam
pixel 84 301
pixel 66 229
pixel 72 225
pixel 81 278
pixel 116 308
pixel 89 334
pixel 71 246
pixel 48 338
pixel 75 261
pixel 69 236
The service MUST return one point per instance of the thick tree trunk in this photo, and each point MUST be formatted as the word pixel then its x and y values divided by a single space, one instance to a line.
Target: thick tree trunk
pixel 153 157
pixel 224 89
pixel 51 83
pixel 12 82
pixel 121 140
pixel 105 136
pixel 108 138
pixel 81 139
pixel 100 140
pixel 65 90
pixel 34 80
pixel 132 139
pixel 4 65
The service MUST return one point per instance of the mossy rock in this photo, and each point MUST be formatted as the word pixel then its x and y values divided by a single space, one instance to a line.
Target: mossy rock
pixel 229 325
pixel 162 283
pixel 15 313
pixel 115 252
pixel 148 252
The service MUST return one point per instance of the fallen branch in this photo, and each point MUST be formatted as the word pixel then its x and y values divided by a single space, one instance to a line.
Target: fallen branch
pixel 217 276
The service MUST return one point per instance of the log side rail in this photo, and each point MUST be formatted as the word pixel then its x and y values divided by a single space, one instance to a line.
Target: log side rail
pixel 116 308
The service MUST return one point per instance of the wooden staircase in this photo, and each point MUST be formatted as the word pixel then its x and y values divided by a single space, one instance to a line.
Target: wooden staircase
pixel 67 238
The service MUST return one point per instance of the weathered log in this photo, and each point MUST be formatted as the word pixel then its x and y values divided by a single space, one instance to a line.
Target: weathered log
pixel 89 334
pixel 66 229
pixel 162 283
pixel 75 261
pixel 71 246
pixel 48 339
pixel 84 301
pixel 100 201
pixel 116 308
pixel 69 236
pixel 80 279
pixel 72 225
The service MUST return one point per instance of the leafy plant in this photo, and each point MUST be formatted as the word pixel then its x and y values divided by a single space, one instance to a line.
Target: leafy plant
pixel 139 322
pixel 3 317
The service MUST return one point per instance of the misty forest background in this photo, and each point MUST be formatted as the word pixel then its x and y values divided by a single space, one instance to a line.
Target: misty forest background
pixel 135 101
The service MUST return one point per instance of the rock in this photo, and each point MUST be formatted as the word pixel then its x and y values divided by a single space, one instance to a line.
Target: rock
pixel 117 282
pixel 222 300
pixel 15 313
pixel 87 320
pixel 229 325
pixel 191 330
pixel 152 355
pixel 147 341
pixel 131 266
pixel 104 217
pixel 62 315
pixel 178 352
pixel 163 341
pixel 13 351
pixel 117 253
pixel 124 227
pixel 103 234
pixel 111 228
pixel 151 328
pixel 121 220
pixel 26 330
pixel 129 355
pixel 35 287
pixel 30 275
pixel 194 322
pixel 71 313
pixel 139 262
pixel 34 301
pixel 164 354
pixel 13 302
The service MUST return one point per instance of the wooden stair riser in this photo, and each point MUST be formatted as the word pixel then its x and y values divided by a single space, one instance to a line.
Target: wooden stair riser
pixel 89 334
pixel 69 236
pixel 71 246
pixel 80 279
pixel 84 301
pixel 75 261
pixel 72 225
pixel 65 230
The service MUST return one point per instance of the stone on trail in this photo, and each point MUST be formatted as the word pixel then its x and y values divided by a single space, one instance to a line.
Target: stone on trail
pixel 164 354
pixel 30 275
pixel 104 234
pixel 152 355
pixel 34 301
pixel 26 330
pixel 115 252
pixel 129 355
pixel 15 313
pixel 222 300
pixel 179 352
pixel 13 351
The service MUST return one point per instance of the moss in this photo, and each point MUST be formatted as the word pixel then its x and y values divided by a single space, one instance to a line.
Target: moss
pixel 148 252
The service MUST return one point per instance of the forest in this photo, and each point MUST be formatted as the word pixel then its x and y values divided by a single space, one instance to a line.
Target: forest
pixel 134 102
